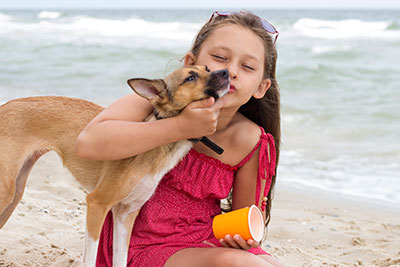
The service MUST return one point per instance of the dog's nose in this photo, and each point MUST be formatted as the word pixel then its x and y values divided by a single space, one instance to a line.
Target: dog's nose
pixel 223 73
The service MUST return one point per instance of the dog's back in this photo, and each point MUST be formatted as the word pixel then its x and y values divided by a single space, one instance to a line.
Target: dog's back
pixel 30 127
pixel 30 116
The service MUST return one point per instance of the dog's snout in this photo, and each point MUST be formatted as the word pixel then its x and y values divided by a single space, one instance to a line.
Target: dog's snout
pixel 218 84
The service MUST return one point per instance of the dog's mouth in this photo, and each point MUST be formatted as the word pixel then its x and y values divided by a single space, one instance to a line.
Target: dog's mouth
pixel 218 84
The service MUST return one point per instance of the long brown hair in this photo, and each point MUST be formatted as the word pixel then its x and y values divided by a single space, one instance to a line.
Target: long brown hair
pixel 265 112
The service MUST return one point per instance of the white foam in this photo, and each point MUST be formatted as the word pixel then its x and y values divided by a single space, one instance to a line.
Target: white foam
pixel 4 18
pixel 364 177
pixel 49 15
pixel 87 27
pixel 344 29
pixel 133 27
pixel 293 117
pixel 319 49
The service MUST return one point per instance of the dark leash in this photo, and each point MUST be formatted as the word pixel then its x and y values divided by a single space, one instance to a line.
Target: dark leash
pixel 216 148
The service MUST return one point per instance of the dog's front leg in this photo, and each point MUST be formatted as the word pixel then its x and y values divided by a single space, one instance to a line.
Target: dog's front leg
pixel 90 253
pixel 96 214
pixel 123 218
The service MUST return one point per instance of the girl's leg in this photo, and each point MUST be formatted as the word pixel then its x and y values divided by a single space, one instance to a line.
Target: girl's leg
pixel 271 260
pixel 216 257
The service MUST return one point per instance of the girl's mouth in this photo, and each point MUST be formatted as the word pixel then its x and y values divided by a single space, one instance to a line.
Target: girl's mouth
pixel 232 89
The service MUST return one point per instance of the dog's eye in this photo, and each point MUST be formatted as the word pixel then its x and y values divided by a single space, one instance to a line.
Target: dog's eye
pixel 207 69
pixel 190 78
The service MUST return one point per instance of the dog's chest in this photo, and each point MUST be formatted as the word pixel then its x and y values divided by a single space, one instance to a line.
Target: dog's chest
pixel 148 184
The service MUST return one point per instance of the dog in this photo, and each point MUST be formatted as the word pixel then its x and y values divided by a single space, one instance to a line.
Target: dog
pixel 30 127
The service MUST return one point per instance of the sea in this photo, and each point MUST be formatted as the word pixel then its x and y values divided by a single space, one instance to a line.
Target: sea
pixel 338 71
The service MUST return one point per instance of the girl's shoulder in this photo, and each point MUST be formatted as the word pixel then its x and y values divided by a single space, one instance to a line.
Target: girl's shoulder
pixel 245 133
pixel 238 140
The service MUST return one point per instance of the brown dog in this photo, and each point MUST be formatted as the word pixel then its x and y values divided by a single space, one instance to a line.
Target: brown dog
pixel 30 127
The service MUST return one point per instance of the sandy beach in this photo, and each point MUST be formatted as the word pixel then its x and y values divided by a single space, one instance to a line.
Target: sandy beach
pixel 307 228
pixel 314 229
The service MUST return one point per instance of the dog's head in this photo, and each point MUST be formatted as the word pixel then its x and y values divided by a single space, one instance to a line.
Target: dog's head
pixel 171 95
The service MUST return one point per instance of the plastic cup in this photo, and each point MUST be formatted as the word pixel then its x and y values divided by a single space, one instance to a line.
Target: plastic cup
pixel 246 222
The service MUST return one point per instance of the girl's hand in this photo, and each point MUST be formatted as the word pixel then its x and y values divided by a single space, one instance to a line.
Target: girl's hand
pixel 238 242
pixel 200 118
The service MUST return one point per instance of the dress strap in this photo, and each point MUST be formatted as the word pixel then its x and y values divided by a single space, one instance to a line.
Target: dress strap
pixel 248 157
pixel 266 167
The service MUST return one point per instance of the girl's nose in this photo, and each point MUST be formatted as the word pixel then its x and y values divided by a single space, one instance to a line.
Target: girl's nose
pixel 232 72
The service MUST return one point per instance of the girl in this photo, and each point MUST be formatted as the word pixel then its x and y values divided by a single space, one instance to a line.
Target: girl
pixel 174 227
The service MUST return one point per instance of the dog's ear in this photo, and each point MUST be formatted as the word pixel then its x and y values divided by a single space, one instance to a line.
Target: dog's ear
pixel 149 89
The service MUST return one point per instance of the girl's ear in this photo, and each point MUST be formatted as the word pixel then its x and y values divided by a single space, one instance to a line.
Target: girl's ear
pixel 262 88
pixel 189 59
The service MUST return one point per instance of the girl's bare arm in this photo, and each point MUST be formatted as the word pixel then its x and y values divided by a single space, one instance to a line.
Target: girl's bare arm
pixel 119 131
pixel 244 187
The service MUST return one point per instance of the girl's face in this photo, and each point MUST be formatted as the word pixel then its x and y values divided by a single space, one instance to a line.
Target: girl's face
pixel 241 51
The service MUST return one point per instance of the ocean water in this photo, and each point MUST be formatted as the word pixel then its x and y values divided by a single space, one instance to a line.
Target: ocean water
pixel 339 75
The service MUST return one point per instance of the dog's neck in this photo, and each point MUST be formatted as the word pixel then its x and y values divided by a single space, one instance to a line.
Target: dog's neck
pixel 157 115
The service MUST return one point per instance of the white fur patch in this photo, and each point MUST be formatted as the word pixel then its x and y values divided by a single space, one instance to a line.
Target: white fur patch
pixel 148 184
pixel 90 255
pixel 224 92
pixel 120 247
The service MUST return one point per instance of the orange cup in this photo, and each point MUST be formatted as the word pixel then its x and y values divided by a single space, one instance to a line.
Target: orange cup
pixel 247 222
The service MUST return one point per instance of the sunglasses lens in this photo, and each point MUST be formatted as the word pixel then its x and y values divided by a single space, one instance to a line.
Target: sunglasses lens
pixel 268 26
pixel 224 13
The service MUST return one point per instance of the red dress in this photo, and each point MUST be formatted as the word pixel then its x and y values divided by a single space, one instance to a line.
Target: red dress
pixel 179 214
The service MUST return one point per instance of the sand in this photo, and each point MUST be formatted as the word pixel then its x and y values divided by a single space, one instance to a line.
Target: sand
pixel 308 228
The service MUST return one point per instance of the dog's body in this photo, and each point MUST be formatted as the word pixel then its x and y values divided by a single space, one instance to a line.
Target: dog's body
pixel 30 127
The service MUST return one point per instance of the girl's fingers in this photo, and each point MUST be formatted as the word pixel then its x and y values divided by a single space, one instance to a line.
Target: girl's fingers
pixel 253 243
pixel 223 243
pixel 232 243
pixel 238 242
pixel 208 102
pixel 241 242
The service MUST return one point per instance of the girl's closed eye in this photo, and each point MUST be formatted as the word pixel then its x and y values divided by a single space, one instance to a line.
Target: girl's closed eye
pixel 219 57
pixel 249 67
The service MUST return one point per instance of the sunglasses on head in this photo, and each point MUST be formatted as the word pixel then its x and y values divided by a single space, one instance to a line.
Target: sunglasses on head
pixel 265 24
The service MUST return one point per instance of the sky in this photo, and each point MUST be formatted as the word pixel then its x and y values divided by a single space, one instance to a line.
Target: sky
pixel 202 4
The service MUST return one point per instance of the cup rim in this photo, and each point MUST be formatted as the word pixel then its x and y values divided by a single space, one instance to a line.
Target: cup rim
pixel 256 238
